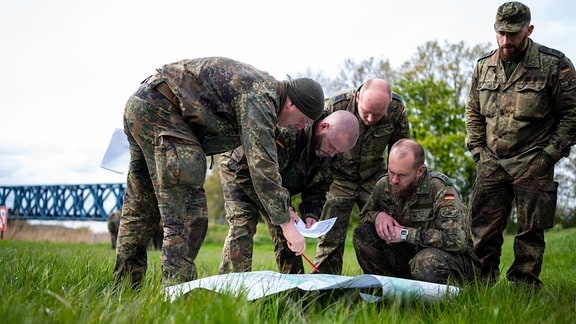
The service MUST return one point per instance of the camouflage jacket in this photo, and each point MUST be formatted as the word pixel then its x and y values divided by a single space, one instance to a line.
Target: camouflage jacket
pixel 512 120
pixel 366 162
pixel 302 171
pixel 436 210
pixel 227 104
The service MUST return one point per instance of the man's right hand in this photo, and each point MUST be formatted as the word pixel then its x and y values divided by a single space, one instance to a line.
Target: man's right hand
pixel 296 242
pixel 384 224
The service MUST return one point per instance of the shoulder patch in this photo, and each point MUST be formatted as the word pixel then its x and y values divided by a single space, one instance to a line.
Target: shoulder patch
pixel 486 55
pixel 551 51
pixel 339 97
pixel 442 177
pixel 397 97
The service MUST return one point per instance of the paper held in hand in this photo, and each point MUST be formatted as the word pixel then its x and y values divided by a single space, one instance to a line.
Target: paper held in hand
pixel 317 229
pixel 117 154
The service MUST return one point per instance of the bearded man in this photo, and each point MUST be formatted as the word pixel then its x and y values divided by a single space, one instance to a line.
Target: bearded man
pixel 520 121
pixel 415 225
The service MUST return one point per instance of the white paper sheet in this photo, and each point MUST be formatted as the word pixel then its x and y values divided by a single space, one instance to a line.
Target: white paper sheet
pixel 317 229
pixel 117 155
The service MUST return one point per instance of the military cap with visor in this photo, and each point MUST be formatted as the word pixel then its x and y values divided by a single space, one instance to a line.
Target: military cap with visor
pixel 512 17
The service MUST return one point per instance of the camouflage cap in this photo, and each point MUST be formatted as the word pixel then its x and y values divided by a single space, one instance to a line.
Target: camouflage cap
pixel 511 17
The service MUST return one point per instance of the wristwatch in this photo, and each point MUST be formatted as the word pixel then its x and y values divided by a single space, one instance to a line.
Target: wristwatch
pixel 403 234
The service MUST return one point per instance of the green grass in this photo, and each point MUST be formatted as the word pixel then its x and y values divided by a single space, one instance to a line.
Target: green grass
pixel 73 283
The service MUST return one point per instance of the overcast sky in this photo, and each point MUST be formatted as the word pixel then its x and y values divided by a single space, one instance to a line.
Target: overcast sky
pixel 68 66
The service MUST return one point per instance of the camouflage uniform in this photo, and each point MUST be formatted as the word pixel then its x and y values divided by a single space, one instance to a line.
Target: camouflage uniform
pixel 518 128
pixel 439 250
pixel 303 172
pixel 169 139
pixel 114 224
pixel 355 173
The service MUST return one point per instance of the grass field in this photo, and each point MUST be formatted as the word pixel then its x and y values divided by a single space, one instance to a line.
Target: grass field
pixel 54 282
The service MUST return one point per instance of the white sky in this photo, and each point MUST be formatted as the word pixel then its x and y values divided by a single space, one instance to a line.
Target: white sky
pixel 68 66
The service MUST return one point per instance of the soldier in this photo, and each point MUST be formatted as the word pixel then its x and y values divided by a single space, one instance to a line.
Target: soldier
pixel 187 110
pixel 415 224
pixel 520 120
pixel 114 223
pixel 304 159
pixel 383 121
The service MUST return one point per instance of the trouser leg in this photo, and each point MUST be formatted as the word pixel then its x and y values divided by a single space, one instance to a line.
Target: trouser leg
pixel 330 247
pixel 536 199
pixel 181 168
pixel 490 207
pixel 238 245
pixel 377 257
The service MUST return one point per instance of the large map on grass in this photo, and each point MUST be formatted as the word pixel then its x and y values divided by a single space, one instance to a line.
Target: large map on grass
pixel 258 284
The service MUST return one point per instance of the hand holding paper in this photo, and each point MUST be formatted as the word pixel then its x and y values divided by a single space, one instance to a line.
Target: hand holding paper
pixel 317 229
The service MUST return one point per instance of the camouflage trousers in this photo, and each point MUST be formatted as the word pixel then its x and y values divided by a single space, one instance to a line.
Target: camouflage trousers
pixel 493 196
pixel 165 182
pixel 330 247
pixel 243 212
pixel 404 260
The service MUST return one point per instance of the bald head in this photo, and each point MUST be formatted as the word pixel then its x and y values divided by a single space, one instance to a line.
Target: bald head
pixel 408 148
pixel 405 168
pixel 336 133
pixel 344 128
pixel 373 100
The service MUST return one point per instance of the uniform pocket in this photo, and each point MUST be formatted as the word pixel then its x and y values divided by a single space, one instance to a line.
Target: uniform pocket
pixel 486 91
pixel 531 100
pixel 179 164
pixel 545 217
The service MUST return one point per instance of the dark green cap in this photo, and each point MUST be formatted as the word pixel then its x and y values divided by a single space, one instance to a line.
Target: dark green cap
pixel 307 95
pixel 511 17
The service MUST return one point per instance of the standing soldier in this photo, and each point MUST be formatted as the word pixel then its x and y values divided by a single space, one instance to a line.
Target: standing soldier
pixel 304 159
pixel 520 120
pixel 187 110
pixel 383 121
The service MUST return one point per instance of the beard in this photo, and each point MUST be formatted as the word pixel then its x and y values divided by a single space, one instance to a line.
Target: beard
pixel 513 53
pixel 404 193
pixel 508 53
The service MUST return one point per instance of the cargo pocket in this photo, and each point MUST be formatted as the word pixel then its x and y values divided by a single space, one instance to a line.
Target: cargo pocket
pixel 179 164
pixel 547 209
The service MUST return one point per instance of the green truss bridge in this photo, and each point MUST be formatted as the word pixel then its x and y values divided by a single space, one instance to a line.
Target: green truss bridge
pixel 84 202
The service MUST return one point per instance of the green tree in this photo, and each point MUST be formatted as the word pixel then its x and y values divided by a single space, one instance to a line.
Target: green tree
pixel 352 74
pixel 452 63
pixel 435 83
pixel 439 126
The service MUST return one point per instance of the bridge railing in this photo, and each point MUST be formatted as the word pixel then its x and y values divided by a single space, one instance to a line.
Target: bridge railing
pixel 91 202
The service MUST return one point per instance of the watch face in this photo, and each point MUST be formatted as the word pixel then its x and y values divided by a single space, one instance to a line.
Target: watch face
pixel 403 234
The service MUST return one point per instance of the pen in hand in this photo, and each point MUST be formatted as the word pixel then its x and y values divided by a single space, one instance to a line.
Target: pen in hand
pixel 310 262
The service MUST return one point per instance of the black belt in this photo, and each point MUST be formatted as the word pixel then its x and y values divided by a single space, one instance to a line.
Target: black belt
pixel 164 89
